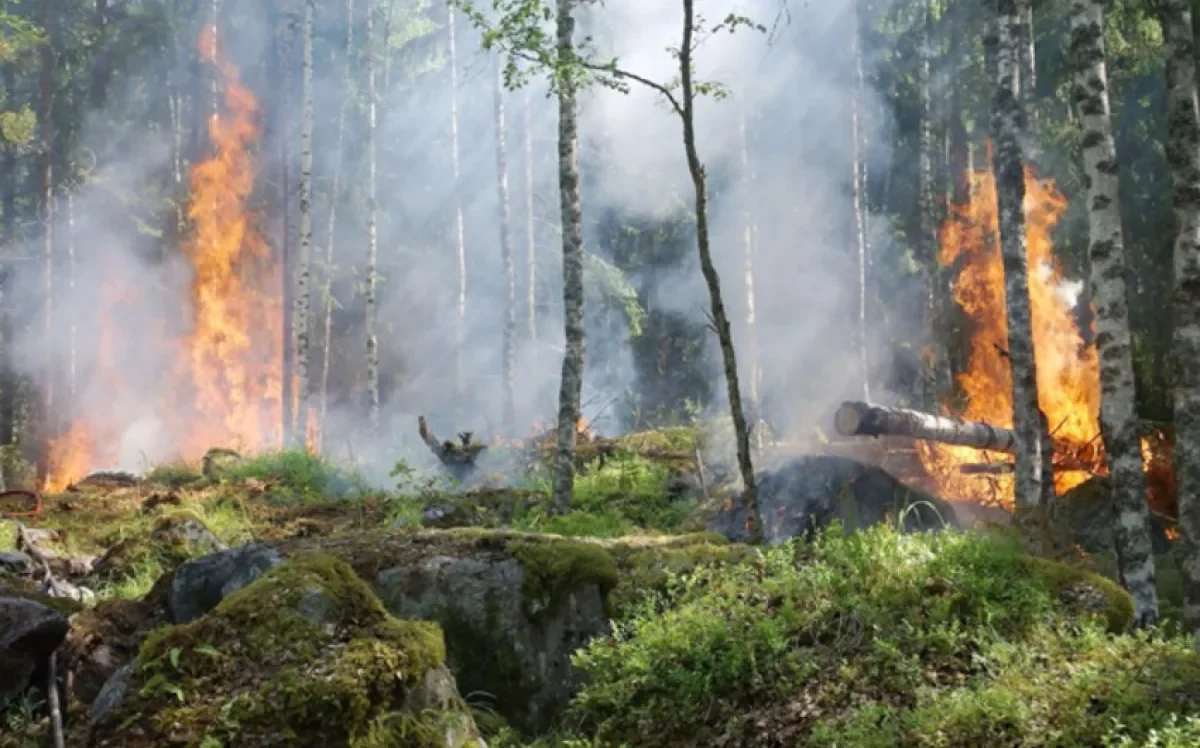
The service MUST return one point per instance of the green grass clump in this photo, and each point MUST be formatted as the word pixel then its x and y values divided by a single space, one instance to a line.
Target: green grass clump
pixel 883 639
pixel 174 475
pixel 296 471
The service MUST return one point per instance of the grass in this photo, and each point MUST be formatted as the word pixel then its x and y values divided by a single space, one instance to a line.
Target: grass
pixel 296 473
pixel 883 639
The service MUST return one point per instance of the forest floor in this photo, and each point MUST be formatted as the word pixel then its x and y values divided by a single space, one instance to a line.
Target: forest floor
pixel 875 638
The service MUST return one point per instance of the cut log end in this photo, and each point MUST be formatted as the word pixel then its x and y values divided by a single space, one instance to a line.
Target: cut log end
pixel 849 419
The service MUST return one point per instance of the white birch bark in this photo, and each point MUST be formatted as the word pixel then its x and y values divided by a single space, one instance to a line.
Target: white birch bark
pixel 509 335
pixel 460 245
pixel 372 227
pixel 1009 172
pixel 530 236
pixel 303 294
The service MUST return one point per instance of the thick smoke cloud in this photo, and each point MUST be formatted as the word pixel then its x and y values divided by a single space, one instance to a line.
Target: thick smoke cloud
pixel 791 92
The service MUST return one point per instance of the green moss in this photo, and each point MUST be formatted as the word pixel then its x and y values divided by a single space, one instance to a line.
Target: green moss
pixel 555 567
pixel 1086 592
pixel 305 656
pixel 174 475
pixel 646 567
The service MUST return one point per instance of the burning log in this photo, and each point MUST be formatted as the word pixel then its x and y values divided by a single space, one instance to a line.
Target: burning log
pixel 864 419
pixel 459 456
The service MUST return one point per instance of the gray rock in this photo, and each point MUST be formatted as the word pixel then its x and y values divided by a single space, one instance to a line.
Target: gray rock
pixel 807 493
pixel 112 693
pixel 29 633
pixel 201 584
pixel 15 561
pixel 495 643
pixel 439 691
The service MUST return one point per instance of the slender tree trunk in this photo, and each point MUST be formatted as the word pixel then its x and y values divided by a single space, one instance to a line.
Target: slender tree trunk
pixel 72 326
pixel 860 228
pixel 927 241
pixel 1118 415
pixel 509 352
pixel 8 379
pixel 1183 164
pixel 334 196
pixel 1028 63
pixel 101 70
pixel 288 381
pixel 372 227
pixel 571 387
pixel 530 237
pixel 1009 171
pixel 46 201
pixel 460 241
pixel 300 321
pixel 749 235
pixel 754 527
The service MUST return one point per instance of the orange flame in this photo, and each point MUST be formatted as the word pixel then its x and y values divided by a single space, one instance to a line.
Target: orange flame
pixel 227 366
pixel 1068 371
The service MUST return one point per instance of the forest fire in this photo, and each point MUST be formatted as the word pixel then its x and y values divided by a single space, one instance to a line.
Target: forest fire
pixel 1068 370
pixel 227 364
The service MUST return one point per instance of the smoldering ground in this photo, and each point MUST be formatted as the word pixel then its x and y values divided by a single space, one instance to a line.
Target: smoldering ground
pixel 791 91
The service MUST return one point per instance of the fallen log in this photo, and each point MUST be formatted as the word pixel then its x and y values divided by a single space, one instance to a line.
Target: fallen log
pixel 864 419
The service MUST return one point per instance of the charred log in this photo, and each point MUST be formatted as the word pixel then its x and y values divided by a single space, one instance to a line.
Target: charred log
pixel 863 419
pixel 459 456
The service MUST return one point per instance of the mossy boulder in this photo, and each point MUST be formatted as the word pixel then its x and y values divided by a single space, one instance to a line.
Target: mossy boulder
pixel 304 656
pixel 806 494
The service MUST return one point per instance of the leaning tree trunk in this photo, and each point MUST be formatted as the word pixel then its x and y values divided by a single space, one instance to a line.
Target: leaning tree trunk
pixel 300 315
pixel 864 419
pixel 1183 163
pixel 372 228
pixel 460 242
pixel 1009 168
pixel 530 236
pixel 335 192
pixel 754 527
pixel 860 228
pixel 1118 414
pixel 509 352
pixel 571 386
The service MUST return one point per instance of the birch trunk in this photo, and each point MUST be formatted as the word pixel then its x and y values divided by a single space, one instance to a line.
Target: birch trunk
pixel 1008 166
pixel 334 195
pixel 287 379
pixel 860 229
pixel 460 242
pixel 46 203
pixel 530 237
pixel 572 247
pixel 1183 164
pixel 720 320
pixel 372 228
pixel 1118 415
pixel 300 317
pixel 72 326
pixel 1028 63
pixel 8 382
pixel 749 232
pixel 509 341
pixel 927 239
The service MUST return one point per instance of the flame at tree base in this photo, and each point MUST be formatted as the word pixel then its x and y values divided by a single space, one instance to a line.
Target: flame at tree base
pixel 225 387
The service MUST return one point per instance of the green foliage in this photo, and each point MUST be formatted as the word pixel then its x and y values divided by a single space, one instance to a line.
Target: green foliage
pixel 298 472
pixel 884 639
pixel 18 127
pixel 174 475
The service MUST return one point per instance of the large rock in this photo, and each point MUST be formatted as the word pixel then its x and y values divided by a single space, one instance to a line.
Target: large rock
pixel 806 494
pixel 306 656
pixel 29 633
pixel 201 584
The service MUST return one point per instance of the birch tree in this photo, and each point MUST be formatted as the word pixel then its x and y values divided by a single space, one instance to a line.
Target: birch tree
pixel 860 227
pixel 530 236
pixel 749 240
pixel 46 203
pixel 1009 168
pixel 300 315
pixel 926 209
pixel 509 335
pixel 1118 416
pixel 1183 164
pixel 335 192
pixel 518 31
pixel 372 279
pixel 1027 81
pixel 460 242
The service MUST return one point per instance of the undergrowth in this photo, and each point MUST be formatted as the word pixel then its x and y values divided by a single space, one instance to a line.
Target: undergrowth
pixel 883 639
pixel 296 473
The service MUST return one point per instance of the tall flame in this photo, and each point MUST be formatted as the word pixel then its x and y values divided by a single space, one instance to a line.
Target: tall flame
pixel 1067 368
pixel 227 367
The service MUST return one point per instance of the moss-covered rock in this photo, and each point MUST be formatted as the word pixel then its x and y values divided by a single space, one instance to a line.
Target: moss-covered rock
pixel 305 656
